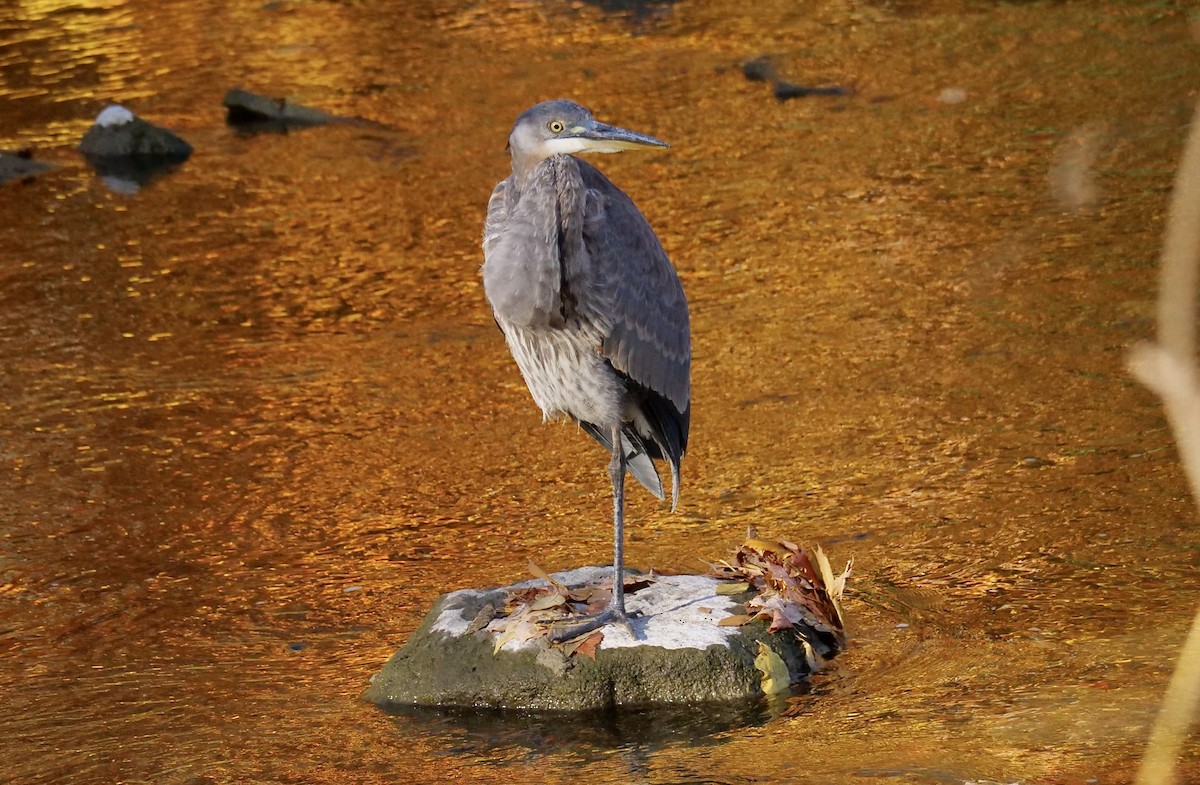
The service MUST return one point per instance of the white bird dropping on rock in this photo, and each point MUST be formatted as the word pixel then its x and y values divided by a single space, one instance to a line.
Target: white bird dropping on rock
pixel 114 114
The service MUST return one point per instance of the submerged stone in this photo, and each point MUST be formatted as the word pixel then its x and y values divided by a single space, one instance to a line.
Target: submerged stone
pixel 785 91
pixel 681 654
pixel 21 166
pixel 759 69
pixel 246 108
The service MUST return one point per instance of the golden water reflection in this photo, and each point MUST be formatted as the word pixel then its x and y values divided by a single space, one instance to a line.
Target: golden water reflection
pixel 257 416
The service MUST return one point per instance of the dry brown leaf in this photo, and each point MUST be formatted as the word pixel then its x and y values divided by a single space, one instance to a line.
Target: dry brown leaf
pixel 834 586
pixel 726 589
pixel 528 613
pixel 793 592
pixel 764 545
pixel 736 620
pixel 572 646
pixel 540 573
pixel 804 566
pixel 549 600
pixel 517 631
pixel 589 645
pixel 637 584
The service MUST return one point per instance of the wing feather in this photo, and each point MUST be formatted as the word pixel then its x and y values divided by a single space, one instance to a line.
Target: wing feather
pixel 521 270
pixel 648 336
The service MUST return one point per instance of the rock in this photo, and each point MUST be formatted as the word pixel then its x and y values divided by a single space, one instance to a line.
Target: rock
pixel 246 108
pixel 759 69
pixel 127 152
pixel 118 133
pixel 21 166
pixel 785 91
pixel 680 654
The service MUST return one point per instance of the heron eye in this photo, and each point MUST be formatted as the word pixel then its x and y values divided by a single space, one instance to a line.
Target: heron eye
pixel 555 127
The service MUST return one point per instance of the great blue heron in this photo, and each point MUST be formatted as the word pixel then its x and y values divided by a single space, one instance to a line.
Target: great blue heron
pixel 590 306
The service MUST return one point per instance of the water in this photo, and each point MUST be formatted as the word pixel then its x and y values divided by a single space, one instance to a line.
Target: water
pixel 256 415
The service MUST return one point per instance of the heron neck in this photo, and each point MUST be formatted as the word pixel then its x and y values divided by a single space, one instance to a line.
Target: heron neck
pixel 523 168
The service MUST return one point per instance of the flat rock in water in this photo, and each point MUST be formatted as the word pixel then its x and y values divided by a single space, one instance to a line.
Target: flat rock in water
pixel 246 108
pixel 680 654
pixel 21 167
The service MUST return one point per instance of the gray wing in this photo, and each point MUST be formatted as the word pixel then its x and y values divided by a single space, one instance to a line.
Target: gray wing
pixel 497 217
pixel 648 337
pixel 521 270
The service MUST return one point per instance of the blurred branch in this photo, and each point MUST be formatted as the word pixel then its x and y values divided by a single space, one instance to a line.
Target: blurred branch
pixel 1168 367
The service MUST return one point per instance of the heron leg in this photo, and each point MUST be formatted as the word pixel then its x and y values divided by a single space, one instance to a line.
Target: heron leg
pixel 616 473
pixel 615 612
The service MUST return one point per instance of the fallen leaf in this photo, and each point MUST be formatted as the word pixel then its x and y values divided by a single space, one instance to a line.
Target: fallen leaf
pixel 518 631
pixel 783 616
pixel 834 586
pixel 594 607
pixel 736 620
pixel 571 646
pixel 804 567
pixel 590 644
pixel 588 594
pixel 550 600
pixel 793 590
pixel 765 546
pixel 540 573
pixel 814 661
pixel 775 676
pixel 637 584
pixel 515 598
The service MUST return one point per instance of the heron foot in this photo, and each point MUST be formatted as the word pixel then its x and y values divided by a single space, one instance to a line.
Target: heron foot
pixel 568 629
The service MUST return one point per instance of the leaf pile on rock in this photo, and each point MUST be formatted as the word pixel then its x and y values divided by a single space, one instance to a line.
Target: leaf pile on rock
pixel 530 613
pixel 792 592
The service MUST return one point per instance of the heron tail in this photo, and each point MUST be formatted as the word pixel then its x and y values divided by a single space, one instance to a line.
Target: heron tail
pixel 637 457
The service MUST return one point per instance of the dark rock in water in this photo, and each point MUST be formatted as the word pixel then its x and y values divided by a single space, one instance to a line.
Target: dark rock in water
pixel 127 152
pixel 759 69
pixel 21 166
pixel 786 90
pixel 246 108
pixel 637 11
pixel 118 133
pixel 681 654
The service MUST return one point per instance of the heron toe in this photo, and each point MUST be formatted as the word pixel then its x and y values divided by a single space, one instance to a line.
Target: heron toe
pixel 569 629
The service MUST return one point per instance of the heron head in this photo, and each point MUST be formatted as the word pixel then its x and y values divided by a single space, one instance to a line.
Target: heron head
pixel 563 128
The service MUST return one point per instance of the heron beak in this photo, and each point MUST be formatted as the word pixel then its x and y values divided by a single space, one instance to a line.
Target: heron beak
pixel 597 137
